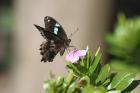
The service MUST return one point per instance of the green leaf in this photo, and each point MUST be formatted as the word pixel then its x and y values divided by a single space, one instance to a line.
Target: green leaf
pixel 88 59
pixel 91 89
pixel 85 78
pixel 72 87
pixel 122 80
pixel 59 81
pixel 97 52
pixel 132 86
pixel 74 69
pixel 103 74
pixel 88 89
pixel 69 78
pixel 106 82
pixel 114 91
pixel 49 86
pixel 99 90
pixel 95 63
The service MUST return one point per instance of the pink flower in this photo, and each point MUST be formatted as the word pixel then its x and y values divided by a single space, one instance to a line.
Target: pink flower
pixel 74 55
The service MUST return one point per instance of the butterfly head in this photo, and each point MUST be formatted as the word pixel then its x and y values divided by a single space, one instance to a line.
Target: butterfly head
pixel 68 42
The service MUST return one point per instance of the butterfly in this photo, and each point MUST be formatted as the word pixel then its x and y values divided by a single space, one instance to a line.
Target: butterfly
pixel 56 39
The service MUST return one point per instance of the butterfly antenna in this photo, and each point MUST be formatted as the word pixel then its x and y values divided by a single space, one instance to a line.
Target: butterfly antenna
pixel 68 49
pixel 71 36
pixel 73 33
pixel 72 46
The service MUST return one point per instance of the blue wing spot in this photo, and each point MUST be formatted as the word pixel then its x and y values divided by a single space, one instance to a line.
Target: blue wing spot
pixel 55 30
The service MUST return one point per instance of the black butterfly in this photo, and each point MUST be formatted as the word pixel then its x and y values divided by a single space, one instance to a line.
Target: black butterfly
pixel 56 39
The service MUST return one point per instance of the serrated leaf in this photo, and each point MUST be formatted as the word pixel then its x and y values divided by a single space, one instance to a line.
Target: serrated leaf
pixel 103 74
pixel 122 80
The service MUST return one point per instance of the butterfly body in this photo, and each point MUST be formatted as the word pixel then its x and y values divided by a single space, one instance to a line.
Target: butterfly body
pixel 56 39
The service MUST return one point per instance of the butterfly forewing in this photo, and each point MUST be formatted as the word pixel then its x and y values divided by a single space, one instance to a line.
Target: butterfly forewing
pixel 53 26
pixel 47 35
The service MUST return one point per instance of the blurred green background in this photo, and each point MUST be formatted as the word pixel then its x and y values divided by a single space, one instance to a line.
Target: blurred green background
pixel 123 40
pixel 6 29
pixel 123 44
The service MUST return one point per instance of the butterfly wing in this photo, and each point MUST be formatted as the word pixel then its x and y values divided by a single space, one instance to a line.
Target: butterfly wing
pixel 48 51
pixel 57 40
pixel 53 26
pixel 46 34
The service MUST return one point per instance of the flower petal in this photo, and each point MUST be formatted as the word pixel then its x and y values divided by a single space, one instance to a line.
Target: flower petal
pixel 74 55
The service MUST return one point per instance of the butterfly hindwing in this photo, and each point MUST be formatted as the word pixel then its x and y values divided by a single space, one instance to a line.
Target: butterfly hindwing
pixel 48 51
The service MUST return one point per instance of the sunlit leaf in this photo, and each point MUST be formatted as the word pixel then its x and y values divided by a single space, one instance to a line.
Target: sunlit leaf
pixel 114 91
pixel 88 89
pixel 122 80
pixel 91 89
pixel 59 81
pixel 103 74
pixel 72 87
pixel 95 63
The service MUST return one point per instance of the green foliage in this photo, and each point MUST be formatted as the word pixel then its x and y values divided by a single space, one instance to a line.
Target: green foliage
pixel 89 76
pixel 123 44
pixel 103 74
pixel 122 80
pixel 91 89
